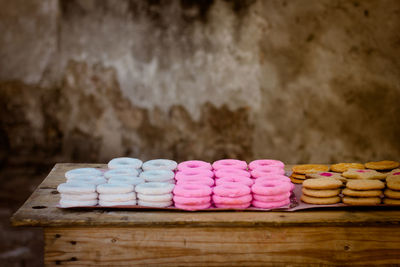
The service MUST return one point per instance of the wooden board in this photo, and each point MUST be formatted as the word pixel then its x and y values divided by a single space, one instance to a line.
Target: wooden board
pixel 40 210
pixel 199 246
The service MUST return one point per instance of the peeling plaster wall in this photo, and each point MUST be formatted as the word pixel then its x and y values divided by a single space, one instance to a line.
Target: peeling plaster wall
pixel 302 81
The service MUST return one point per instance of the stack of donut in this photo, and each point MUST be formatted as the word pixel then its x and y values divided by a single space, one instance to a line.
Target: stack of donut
pixel 271 189
pixel 120 194
pixel 194 181
pixel 233 182
pixel 158 175
pixel 80 188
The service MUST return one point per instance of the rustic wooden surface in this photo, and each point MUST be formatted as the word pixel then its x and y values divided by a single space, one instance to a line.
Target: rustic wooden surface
pixel 209 246
pixel 40 210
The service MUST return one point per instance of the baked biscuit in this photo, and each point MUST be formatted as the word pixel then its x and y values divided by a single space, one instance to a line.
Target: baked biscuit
pixel 322 183
pixel 361 193
pixel 390 201
pixel 327 174
pixel 296 181
pixel 320 200
pixel 320 192
pixel 298 176
pixel 363 174
pixel 342 167
pixel 382 165
pixel 310 168
pixel 393 177
pixel 361 200
pixel 392 193
pixel 393 184
pixel 363 184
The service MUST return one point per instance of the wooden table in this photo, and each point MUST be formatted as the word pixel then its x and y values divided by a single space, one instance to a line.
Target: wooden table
pixel 148 237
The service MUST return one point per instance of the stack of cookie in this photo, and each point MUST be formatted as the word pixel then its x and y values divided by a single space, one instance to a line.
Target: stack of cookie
pixel 116 195
pixel 334 175
pixel 363 192
pixel 392 193
pixel 321 191
pixel 299 171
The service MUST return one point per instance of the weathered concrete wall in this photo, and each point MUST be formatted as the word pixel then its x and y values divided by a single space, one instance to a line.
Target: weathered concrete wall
pixel 302 81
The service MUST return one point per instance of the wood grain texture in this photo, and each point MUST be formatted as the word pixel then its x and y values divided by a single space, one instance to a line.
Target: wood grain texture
pixel 40 210
pixel 210 246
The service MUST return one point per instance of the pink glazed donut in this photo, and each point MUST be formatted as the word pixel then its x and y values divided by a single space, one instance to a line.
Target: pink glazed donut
pixel 234 179
pixel 270 205
pixel 232 200
pixel 231 190
pixel 199 173
pixel 192 190
pixel 269 188
pixel 265 162
pixel 271 198
pixel 233 206
pixel 193 207
pixel 194 164
pixel 229 163
pixel 231 171
pixel 267 170
pixel 196 180
pixel 272 177
pixel 192 200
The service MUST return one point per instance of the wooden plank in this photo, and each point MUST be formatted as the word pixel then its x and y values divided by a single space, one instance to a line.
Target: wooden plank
pixel 211 246
pixel 40 210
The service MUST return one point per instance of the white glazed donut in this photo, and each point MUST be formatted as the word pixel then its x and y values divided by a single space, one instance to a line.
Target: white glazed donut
pixel 115 188
pixel 90 196
pixel 118 197
pixel 81 171
pixel 66 203
pixel 96 180
pixel 154 188
pixel 123 171
pixel 155 198
pixel 125 162
pixel 126 180
pixel 159 164
pixel 155 204
pixel 76 188
pixel 117 203
pixel 157 175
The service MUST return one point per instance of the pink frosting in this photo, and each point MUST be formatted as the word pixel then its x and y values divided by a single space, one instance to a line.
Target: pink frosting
pixel 199 173
pixel 270 205
pixel 231 171
pixel 196 180
pixel 233 206
pixel 232 200
pixel 230 163
pixel 265 162
pixel 192 200
pixel 362 171
pixel 235 179
pixel 271 198
pixel 269 188
pixel 231 190
pixel 193 207
pixel 194 164
pixel 396 173
pixel 192 190
pixel 327 174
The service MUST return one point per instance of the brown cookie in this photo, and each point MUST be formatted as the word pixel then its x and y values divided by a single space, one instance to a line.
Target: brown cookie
pixel 361 193
pixel 382 165
pixel 363 174
pixel 298 176
pixel 326 174
pixel 392 193
pixel 310 168
pixel 361 201
pixel 342 167
pixel 296 181
pixel 365 184
pixel 393 184
pixel 320 193
pixel 390 201
pixel 322 183
pixel 320 200
pixel 393 177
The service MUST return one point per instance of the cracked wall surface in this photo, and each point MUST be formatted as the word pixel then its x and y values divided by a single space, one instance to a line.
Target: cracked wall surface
pixel 301 81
